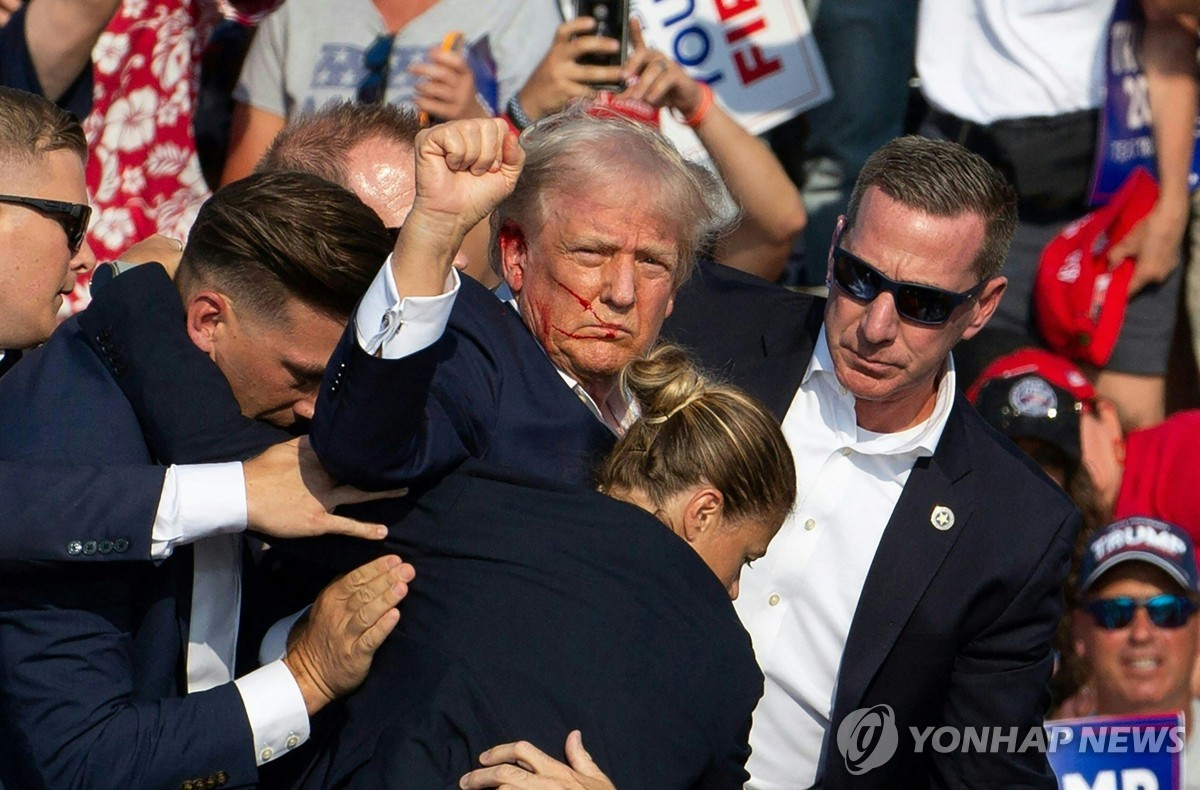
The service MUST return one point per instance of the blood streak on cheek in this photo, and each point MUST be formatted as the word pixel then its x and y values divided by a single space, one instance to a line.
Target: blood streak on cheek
pixel 587 306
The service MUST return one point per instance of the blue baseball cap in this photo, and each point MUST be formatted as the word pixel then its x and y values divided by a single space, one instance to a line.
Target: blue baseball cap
pixel 1163 545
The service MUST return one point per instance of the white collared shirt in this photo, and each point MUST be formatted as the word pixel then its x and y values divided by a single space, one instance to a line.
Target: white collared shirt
pixel 798 601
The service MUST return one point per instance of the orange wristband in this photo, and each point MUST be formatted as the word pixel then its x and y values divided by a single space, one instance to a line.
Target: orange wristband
pixel 701 112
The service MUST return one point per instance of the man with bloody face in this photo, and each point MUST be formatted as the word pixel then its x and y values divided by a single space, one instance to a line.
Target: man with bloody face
pixel 436 370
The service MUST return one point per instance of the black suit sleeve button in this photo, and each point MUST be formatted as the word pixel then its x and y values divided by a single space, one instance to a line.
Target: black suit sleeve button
pixel 74 548
pixel 222 778
pixel 188 785
pixel 121 545
pixel 105 547
pixel 89 547
pixel 210 782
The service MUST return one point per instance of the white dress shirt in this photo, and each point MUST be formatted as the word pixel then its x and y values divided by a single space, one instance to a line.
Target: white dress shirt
pixel 798 601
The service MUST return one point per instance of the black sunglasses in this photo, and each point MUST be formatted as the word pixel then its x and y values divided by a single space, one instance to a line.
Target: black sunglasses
pixel 1165 611
pixel 377 60
pixel 922 304
pixel 72 217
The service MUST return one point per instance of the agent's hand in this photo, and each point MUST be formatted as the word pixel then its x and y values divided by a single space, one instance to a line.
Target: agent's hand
pixel 560 78
pixel 158 249
pixel 290 495
pixel 447 88
pixel 657 79
pixel 522 766
pixel 331 649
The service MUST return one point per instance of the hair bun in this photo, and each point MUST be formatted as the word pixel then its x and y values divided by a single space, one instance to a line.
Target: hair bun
pixel 664 382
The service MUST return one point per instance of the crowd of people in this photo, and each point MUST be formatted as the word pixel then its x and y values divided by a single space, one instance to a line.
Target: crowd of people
pixel 466 421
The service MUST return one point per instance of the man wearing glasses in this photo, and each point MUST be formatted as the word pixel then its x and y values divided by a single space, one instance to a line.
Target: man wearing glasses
pixel 922 566
pixel 43 216
pixel 1137 629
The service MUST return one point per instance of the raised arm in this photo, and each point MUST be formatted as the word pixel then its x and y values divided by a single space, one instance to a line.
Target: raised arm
pixel 772 212
pixel 61 35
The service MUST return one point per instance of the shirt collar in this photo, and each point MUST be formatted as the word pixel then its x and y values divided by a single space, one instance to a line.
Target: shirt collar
pixel 921 439
pixel 620 401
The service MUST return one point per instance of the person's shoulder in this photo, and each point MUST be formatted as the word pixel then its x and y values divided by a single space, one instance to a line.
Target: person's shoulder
pixel 718 279
pixel 1008 469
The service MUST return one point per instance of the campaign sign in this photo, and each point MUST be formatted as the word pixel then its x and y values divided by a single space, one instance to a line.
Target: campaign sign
pixel 1126 133
pixel 1118 752
pixel 758 56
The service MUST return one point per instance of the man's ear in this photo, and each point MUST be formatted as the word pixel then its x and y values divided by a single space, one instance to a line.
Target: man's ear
pixel 985 306
pixel 208 316
pixel 702 513
pixel 514 252
pixel 837 237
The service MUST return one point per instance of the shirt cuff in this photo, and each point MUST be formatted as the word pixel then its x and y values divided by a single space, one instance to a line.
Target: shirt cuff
pixel 198 500
pixel 274 644
pixel 275 708
pixel 382 314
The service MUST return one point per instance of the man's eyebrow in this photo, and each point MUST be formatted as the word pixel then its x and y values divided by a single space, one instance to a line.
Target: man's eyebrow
pixel 306 370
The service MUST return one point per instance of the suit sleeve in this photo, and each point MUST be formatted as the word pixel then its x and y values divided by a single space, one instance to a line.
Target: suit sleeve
pixel 137 327
pixel 69 702
pixel 382 423
pixel 1000 679
pixel 98 513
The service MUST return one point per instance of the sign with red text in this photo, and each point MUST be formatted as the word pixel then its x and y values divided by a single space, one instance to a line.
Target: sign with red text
pixel 758 56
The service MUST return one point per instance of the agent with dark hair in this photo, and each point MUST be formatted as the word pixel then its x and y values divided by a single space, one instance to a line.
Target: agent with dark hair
pixel 545 608
pixel 922 567
pixel 67 510
pixel 97 658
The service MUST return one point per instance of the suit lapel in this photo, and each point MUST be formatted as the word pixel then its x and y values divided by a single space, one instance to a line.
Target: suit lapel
pixel 773 375
pixel 910 553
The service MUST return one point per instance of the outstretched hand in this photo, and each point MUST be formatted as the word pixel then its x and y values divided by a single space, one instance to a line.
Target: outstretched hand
pixel 331 648
pixel 290 495
pixel 523 766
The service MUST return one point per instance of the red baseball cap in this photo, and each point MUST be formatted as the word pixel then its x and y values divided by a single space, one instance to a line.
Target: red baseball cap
pixel 1034 393
pixel 1079 301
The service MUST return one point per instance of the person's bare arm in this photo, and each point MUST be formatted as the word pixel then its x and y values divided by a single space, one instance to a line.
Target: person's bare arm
pixel 251 135
pixel 60 35
pixel 772 211
pixel 1168 52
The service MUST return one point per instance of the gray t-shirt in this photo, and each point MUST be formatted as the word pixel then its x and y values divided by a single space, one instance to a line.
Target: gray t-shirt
pixel 309 53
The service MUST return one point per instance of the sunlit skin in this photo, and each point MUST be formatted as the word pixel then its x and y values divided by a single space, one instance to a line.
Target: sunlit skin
pixel 696 515
pixel 273 367
pixel 36 265
pixel 594 283
pixel 1141 668
pixel 893 366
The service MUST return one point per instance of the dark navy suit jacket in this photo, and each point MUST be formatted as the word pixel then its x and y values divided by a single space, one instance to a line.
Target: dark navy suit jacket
pixel 485 389
pixel 540 608
pixel 953 627
pixel 92 655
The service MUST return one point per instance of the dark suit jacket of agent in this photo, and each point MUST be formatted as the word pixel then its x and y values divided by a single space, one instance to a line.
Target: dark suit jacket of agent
pixel 92 654
pixel 953 627
pixel 485 389
pixel 540 608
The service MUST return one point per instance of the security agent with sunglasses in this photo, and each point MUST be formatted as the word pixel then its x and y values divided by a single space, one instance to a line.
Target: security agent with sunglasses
pixel 922 565
pixel 1137 629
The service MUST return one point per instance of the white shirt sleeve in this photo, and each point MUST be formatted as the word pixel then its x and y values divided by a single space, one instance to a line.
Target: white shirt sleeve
pixel 198 500
pixel 275 708
pixel 274 644
pixel 382 314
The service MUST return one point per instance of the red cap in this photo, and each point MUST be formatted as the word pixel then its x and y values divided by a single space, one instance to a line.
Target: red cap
pixel 1055 369
pixel 1078 300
